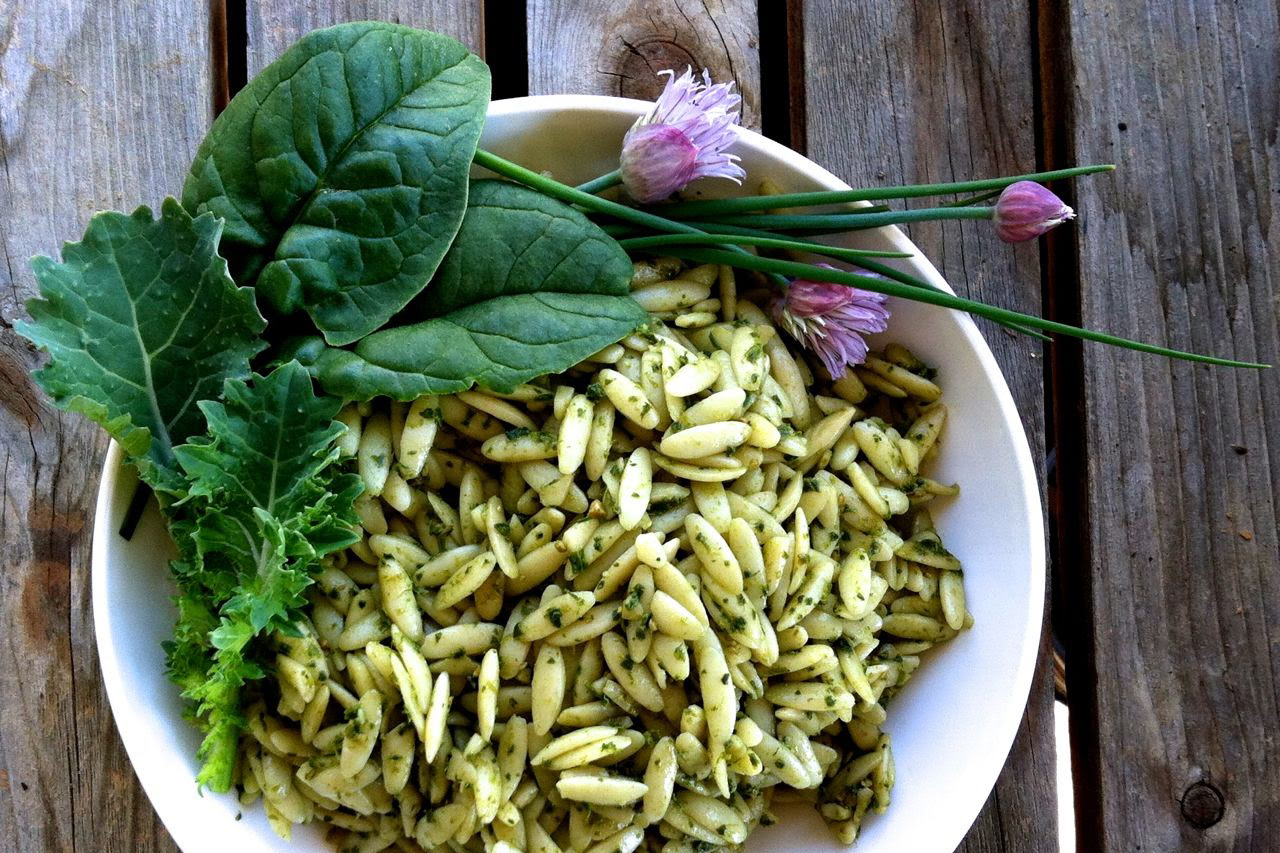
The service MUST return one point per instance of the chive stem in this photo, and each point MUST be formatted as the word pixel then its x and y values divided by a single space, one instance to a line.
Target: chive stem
pixel 860 257
pixel 832 223
pixel 780 269
pixel 769 242
pixel 972 199
pixel 748 204
pixel 595 185
pixel 944 300
pixel 133 512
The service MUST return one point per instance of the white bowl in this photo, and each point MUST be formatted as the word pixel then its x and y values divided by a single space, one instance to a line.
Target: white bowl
pixel 952 726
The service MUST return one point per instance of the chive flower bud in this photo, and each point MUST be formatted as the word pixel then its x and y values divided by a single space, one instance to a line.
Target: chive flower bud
pixel 682 138
pixel 1025 210
pixel 830 320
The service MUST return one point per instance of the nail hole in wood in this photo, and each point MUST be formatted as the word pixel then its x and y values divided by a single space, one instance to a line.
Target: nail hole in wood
pixel 1202 805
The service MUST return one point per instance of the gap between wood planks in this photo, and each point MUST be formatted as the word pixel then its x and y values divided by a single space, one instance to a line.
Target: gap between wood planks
pixel 1066 471
pixel 228 41
pixel 782 104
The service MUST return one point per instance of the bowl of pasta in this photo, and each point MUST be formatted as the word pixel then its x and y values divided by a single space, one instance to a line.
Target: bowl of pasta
pixel 688 594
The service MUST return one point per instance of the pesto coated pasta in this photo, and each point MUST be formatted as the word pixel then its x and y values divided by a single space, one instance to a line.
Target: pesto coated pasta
pixel 620 607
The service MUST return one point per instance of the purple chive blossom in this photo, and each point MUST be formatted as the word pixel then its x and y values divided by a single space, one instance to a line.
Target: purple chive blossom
pixel 1026 210
pixel 830 320
pixel 682 138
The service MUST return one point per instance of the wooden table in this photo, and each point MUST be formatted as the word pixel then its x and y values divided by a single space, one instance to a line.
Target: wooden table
pixel 1162 500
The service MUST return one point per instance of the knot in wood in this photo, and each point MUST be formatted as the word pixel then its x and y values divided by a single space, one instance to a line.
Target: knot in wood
pixel 639 64
pixel 1202 805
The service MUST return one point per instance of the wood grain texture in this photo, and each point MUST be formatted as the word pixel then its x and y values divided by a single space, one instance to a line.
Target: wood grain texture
pixel 1183 462
pixel 101 106
pixel 939 91
pixel 273 25
pixel 617 48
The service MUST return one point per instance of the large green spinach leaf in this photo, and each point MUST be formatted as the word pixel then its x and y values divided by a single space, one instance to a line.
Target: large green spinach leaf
pixel 142 322
pixel 529 287
pixel 341 171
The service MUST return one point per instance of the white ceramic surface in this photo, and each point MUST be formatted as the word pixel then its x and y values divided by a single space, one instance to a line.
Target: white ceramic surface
pixel 952 726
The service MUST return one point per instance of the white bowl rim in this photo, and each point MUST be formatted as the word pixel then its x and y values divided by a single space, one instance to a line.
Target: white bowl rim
pixel 1007 719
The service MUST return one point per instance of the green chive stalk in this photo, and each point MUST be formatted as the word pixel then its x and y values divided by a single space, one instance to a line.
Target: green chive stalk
pixel 942 299
pixel 839 223
pixel 759 241
pixel 755 203
pixel 602 183
pixel 783 269
pixel 859 257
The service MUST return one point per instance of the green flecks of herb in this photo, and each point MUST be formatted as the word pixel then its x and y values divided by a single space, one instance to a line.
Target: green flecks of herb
pixel 555 616
pixel 517 432
pixel 932 545
pixel 577 563
pixel 595 392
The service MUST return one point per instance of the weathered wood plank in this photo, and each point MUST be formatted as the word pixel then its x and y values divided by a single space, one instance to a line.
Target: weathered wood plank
pixel 926 92
pixel 272 27
pixel 1183 462
pixel 101 106
pixel 612 48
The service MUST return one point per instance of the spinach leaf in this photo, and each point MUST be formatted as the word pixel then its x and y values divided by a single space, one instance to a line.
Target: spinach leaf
pixel 495 344
pixel 341 170
pixel 266 500
pixel 517 240
pixel 529 287
pixel 142 322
